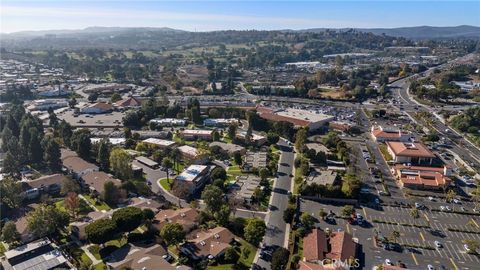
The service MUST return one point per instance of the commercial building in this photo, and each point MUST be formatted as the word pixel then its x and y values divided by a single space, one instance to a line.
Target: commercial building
pixel 38 255
pixel 415 153
pixel 195 134
pixel 208 244
pixel 191 154
pixel 381 134
pixel 128 103
pixel 169 122
pixel 425 178
pixel 147 162
pixel 45 104
pixel 254 161
pixel 162 144
pixel 97 108
pixel 195 177
pixel 300 118
pixel 187 217
pixel 219 122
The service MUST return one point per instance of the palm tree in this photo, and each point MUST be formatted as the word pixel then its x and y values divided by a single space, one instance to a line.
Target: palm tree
pixel 175 154
pixel 414 214
pixel 167 163
pixel 394 235
pixel 451 194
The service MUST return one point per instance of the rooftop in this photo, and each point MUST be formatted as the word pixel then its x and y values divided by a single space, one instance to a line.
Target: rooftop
pixel 159 142
pixel 197 132
pixel 191 173
pixel 410 149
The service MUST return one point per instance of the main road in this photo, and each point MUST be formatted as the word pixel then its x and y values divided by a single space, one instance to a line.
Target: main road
pixel 277 233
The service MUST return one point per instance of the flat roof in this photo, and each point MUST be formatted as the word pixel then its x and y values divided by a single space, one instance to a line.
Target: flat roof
pixel 309 116
pixel 197 131
pixel 191 173
pixel 26 248
pixel 159 142
pixel 146 161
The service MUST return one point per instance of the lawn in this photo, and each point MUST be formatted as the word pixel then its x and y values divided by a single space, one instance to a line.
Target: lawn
pixel 244 262
pixel 79 255
pixel 110 247
pixel 164 183
pixel 97 203
pixel 234 170
pixel 385 153
pixel 2 249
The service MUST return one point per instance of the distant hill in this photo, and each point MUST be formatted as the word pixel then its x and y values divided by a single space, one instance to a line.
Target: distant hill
pixel 418 32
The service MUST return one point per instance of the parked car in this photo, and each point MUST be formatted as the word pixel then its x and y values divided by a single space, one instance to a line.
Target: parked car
pixel 438 244
pixel 388 262
pixel 430 267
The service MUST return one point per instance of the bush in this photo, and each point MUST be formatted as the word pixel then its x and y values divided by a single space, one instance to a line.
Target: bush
pixel 231 255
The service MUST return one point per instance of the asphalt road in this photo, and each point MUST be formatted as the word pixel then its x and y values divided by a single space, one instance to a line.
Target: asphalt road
pixel 276 226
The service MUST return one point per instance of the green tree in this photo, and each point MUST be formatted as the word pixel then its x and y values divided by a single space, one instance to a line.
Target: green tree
pixel 111 193
pixel 115 97
pixel 80 143
pixel 222 215
pixel 231 255
pixel 394 235
pixel 51 154
pixel 172 234
pixel 103 156
pixel 263 173
pixel 288 215
pixel 322 213
pixel 216 136
pixel 348 210
pixel 101 231
pixel 232 131
pixel 72 204
pixel 213 197
pixel 11 165
pixel 46 220
pixel 272 138
pixel 92 97
pixel 128 219
pixel 254 231
pixel 237 156
pixel 35 151
pixel 65 132
pixel 10 233
pixel 218 173
pixel 280 259
pixel 120 164
pixel 301 139
pixel 12 192
pixel 307 220
pixel 451 194
pixel 414 213
pixel 167 163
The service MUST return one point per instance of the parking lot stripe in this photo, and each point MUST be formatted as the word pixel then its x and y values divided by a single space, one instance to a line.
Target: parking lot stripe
pixel 426 217
pixel 365 213
pixel 414 258
pixel 421 235
pixel 453 263
pixel 474 222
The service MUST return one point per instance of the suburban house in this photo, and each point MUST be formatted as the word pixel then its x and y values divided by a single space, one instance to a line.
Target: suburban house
pixel 318 246
pixel 95 181
pixel 195 134
pixel 195 176
pixel 77 228
pixel 145 203
pixel 410 152
pixel 40 254
pixel 258 140
pixel 254 161
pixel 187 217
pixel 78 167
pixel 229 148
pixel 162 144
pixel 381 134
pixel 131 256
pixel 97 108
pixel 246 186
pixel 208 244
pixel 128 103
pixel 418 177
pixel 48 183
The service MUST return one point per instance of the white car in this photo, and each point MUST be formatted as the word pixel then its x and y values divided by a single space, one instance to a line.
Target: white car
pixel 430 267
pixel 456 201
pixel 442 208
pixel 438 244
pixel 388 262
pixel 467 249
pixel 448 208
pixel 431 198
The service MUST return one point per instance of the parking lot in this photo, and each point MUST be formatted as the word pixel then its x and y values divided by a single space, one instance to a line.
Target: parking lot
pixel 107 120
pixel 451 255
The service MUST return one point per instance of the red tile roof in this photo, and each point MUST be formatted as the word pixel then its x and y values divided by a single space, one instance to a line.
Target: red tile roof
pixel 342 246
pixel 410 149
pixel 315 245
pixel 186 217
pixel 314 266
pixel 128 102
pixel 423 176
pixel 210 242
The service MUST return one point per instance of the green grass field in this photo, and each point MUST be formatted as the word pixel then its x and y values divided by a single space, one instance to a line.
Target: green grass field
pixel 98 204
pixel 164 183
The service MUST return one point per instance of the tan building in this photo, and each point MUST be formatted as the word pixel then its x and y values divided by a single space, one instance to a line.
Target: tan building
pixel 415 153
pixel 197 134
pixel 418 177
pixel 95 181
pixel 381 134
pixel 208 244
pixel 187 217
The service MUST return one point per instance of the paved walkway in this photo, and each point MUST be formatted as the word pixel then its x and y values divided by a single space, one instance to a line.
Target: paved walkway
pixel 94 260
pixel 88 202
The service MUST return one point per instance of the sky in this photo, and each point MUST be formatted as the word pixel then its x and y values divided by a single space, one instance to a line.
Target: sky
pixel 20 15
